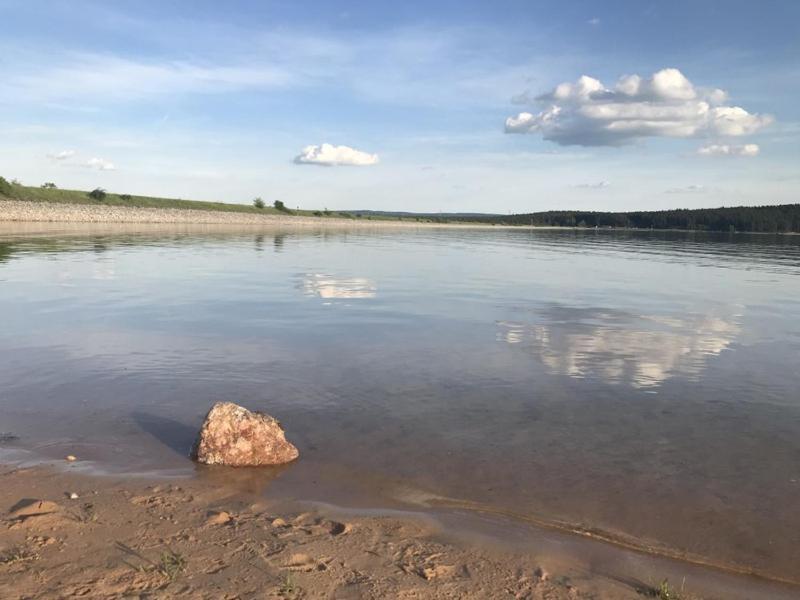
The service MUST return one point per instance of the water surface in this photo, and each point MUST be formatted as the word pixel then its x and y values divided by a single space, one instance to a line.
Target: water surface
pixel 640 384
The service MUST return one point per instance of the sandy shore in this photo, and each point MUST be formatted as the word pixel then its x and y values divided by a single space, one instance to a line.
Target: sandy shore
pixel 45 212
pixel 66 535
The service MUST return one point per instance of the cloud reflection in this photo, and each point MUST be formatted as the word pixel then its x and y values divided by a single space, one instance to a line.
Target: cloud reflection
pixel 329 287
pixel 621 348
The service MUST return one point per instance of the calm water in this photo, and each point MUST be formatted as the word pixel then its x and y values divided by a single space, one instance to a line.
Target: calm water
pixel 644 384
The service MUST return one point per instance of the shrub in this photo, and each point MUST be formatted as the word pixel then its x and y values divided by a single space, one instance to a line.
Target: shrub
pixel 258 203
pixel 97 194
pixel 279 206
pixel 125 197
pixel 5 187
pixel 317 213
pixel 49 185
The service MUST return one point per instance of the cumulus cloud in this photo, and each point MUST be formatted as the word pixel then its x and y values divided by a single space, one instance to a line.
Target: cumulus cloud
pixel 689 189
pixel 63 155
pixel 729 150
pixel 100 164
pixel 328 155
pixel 597 185
pixel 666 104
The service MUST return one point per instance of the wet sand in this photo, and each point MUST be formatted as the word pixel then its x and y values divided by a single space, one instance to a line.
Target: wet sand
pixel 217 534
pixel 66 535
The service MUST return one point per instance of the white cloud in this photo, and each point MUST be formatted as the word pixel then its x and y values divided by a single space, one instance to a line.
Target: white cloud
pixel 729 150
pixel 101 164
pixel 689 189
pixel 598 185
pixel 594 22
pixel 95 77
pixel 667 104
pixel 63 155
pixel 328 155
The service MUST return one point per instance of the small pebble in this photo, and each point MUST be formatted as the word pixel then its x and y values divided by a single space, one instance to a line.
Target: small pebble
pixel 71 458
pixel 73 496
pixel 218 517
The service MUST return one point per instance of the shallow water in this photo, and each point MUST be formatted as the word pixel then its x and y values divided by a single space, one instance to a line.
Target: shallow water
pixel 640 384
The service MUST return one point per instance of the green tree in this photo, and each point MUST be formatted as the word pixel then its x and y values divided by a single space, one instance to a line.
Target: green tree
pixel 258 203
pixel 5 188
pixel 97 194
pixel 279 205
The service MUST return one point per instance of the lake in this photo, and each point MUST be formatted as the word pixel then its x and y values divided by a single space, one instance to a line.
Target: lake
pixel 643 385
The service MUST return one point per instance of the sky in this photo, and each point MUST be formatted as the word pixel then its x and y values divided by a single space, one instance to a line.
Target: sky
pixel 499 107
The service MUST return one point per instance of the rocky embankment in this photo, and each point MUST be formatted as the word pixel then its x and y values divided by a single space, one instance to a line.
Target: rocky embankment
pixel 46 212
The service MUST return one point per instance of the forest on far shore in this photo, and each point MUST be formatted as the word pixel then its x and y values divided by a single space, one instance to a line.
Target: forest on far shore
pixel 768 219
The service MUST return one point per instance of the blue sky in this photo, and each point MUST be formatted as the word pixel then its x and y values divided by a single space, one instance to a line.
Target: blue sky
pixel 430 106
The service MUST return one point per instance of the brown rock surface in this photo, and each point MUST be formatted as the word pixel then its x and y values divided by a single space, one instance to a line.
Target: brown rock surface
pixel 234 436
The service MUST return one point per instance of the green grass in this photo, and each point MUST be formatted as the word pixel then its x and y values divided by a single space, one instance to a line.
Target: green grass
pixel 58 196
pixel 171 564
pixel 665 592
pixel 13 191
pixel 288 589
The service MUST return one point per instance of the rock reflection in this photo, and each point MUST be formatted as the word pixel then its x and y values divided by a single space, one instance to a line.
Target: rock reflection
pixel 622 348
pixel 329 287
pixel 239 480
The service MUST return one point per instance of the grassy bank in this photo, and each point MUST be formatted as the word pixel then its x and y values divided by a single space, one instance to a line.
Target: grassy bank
pixel 58 196
pixel 14 191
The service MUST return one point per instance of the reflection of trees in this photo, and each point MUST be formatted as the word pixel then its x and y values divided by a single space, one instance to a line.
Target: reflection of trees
pixel 6 252
pixel 18 246
pixel 639 350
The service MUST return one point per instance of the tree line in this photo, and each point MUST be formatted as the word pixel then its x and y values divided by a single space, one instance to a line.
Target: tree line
pixel 773 219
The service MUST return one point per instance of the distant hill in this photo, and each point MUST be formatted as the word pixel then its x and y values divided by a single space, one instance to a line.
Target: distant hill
pixel 767 219
pixel 777 219
pixel 399 213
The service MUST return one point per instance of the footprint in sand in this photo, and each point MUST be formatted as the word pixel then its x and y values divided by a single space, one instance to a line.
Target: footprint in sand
pixel 303 562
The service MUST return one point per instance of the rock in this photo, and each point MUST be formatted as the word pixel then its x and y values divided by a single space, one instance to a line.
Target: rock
pixel 73 496
pixel 218 517
pixel 70 458
pixel 234 436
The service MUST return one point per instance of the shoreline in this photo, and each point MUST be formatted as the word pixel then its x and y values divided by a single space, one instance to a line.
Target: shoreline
pixel 229 531
pixel 16 212
pixel 116 537
pixel 21 211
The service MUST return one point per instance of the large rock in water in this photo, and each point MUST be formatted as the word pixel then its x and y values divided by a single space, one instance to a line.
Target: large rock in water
pixel 232 435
